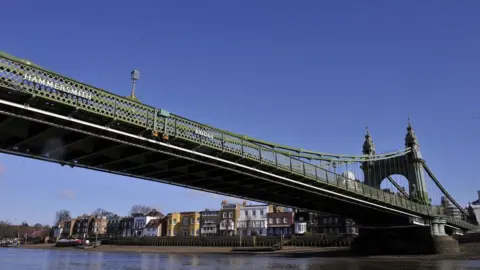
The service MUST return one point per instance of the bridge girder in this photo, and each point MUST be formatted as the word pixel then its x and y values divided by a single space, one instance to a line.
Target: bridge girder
pixel 85 146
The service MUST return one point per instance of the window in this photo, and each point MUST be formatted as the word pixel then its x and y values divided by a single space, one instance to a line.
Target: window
pixel 336 220
pixel 270 220
pixel 191 221
pixel 174 221
pixel 224 215
pixel 185 221
pixel 192 232
pixel 198 220
pixel 277 220
pixel 285 220
pixel 198 231
pixel 262 212
pixel 246 213
pixel 230 215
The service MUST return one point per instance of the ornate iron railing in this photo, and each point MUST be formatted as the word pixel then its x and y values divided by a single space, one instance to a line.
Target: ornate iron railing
pixel 21 75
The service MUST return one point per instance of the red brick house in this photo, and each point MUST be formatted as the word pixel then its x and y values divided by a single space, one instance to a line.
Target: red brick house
pixel 280 223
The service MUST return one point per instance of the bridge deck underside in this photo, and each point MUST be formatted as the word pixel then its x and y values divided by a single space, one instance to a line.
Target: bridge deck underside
pixel 80 145
pixel 39 140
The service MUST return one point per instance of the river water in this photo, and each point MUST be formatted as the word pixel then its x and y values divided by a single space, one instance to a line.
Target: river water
pixel 33 259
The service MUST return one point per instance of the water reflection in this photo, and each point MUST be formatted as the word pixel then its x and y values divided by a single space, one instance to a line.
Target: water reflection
pixel 19 259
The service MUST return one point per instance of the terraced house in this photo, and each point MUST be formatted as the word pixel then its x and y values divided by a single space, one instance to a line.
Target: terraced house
pixel 209 222
pixel 253 219
pixel 67 230
pixel 140 221
pixel 183 224
pixel 280 223
pixel 100 224
pixel 333 224
pixel 126 226
pixel 155 228
pixel 229 213
pixel 114 226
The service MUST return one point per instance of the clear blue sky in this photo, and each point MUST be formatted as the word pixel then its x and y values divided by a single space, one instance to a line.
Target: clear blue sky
pixel 308 74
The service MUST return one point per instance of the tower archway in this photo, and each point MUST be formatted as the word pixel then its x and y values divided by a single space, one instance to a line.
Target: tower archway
pixel 409 165
pixel 397 184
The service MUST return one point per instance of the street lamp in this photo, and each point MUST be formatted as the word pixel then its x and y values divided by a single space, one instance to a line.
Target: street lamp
pixel 135 76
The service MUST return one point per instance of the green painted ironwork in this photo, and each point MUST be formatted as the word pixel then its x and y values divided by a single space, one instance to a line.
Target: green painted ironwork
pixel 56 88
pixel 133 112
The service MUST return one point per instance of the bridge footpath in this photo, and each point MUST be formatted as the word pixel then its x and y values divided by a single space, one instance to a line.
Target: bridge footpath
pixel 53 118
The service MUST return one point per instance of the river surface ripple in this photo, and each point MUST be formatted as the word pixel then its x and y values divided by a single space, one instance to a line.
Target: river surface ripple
pixel 23 259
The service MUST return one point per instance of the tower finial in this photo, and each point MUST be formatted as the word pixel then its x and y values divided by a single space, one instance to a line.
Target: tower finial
pixel 411 137
pixel 368 145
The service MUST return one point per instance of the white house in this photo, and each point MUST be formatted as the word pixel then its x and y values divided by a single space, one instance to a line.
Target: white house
pixel 57 232
pixel 300 227
pixel 300 222
pixel 140 221
pixel 153 228
pixel 252 219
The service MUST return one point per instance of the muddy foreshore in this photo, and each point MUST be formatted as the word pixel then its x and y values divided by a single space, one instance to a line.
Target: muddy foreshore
pixel 470 251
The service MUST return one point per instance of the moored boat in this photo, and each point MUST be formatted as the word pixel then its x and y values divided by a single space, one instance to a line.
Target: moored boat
pixel 68 243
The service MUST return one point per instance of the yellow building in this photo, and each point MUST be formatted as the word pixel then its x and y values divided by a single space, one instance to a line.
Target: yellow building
pixel 183 224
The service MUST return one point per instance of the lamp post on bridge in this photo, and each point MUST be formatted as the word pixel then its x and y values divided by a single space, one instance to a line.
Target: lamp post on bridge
pixel 135 76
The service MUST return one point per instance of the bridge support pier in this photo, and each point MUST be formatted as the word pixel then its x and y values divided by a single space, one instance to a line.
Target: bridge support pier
pixel 413 240
pixel 444 243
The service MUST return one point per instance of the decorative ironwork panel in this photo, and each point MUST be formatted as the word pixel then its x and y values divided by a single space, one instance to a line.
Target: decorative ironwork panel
pixel 20 75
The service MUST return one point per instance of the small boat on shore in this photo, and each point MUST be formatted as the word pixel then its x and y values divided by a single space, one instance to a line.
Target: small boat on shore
pixel 9 243
pixel 68 243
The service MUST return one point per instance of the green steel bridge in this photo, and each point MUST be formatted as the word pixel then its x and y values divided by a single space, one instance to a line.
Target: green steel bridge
pixel 50 117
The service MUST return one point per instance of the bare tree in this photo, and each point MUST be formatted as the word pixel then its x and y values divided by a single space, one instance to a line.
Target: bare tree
pixel 140 209
pixel 102 212
pixel 62 215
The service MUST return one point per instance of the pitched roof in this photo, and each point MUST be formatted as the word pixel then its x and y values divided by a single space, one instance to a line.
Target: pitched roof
pixel 155 213
pixel 154 223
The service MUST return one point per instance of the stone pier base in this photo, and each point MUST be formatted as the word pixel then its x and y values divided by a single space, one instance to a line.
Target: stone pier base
pixel 446 245
pixel 403 241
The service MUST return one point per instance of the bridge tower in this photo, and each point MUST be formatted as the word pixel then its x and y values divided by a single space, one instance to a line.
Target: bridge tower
pixel 409 165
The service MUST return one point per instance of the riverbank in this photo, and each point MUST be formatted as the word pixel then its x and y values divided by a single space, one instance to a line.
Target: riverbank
pixel 180 250
pixel 470 251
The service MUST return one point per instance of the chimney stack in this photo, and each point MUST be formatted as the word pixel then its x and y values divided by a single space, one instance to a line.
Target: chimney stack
pixel 478 194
